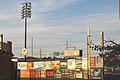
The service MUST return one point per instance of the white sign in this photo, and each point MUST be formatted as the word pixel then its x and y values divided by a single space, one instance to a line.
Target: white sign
pixel 22 65
pixel 84 63
pixel 71 64
pixel 38 65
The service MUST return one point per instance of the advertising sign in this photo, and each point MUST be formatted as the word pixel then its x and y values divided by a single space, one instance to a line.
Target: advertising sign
pixel 38 65
pixel 57 73
pixel 22 65
pixel 65 73
pixel 43 73
pixel 72 74
pixel 71 64
pixel 92 62
pixel 72 53
pixel 96 73
pixel 50 73
pixel 55 65
pixel 78 63
pixel 84 63
pixel 78 73
pixel 63 64
pixel 24 73
pixel 99 62
pixel 47 65
pixel 29 65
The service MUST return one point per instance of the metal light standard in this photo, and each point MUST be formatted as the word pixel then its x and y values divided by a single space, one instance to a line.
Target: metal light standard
pixel 25 13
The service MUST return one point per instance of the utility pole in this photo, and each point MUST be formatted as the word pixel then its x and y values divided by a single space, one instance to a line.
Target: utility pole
pixel 102 49
pixel 40 52
pixel 88 52
pixel 32 47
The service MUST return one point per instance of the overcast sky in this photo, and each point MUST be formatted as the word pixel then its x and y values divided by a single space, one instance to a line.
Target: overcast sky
pixel 55 21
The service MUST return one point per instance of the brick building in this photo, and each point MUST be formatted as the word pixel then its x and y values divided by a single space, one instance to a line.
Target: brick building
pixel 7 69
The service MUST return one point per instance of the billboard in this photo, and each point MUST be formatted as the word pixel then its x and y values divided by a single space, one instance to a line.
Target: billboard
pixel 47 65
pixel 72 52
pixel 92 62
pixel 55 65
pixel 38 65
pixel 71 64
pixel 22 65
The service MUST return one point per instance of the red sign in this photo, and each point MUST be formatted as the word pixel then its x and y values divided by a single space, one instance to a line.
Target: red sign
pixel 50 73
pixel 92 62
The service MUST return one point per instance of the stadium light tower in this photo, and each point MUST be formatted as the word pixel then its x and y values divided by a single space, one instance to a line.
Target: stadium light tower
pixel 25 13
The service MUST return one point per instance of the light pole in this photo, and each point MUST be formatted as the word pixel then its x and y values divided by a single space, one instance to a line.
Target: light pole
pixel 25 13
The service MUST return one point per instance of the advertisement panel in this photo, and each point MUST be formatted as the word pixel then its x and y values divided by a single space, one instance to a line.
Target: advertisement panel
pixel 29 65
pixel 85 76
pixel 22 65
pixel 96 73
pixel 71 64
pixel 78 73
pixel 43 73
pixel 72 53
pixel 78 63
pixel 24 73
pixel 47 65
pixel 72 74
pixel 65 73
pixel 99 62
pixel 38 65
pixel 92 62
pixel 63 64
pixel 57 73
pixel 50 73
pixel 55 65
pixel 84 63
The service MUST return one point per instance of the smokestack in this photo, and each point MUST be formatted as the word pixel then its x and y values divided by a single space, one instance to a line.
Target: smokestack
pixel 101 39
pixel 1 41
